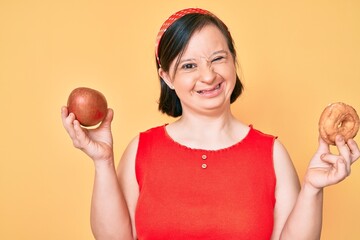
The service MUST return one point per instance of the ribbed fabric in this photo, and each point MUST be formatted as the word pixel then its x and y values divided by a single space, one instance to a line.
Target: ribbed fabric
pixel 232 196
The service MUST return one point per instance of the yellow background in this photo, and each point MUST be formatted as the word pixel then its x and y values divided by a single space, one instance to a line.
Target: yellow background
pixel 295 57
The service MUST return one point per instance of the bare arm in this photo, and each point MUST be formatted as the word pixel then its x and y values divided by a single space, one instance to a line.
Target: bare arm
pixel 305 221
pixel 325 169
pixel 128 182
pixel 109 213
pixel 287 188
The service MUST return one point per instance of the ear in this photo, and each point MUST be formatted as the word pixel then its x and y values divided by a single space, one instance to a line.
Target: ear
pixel 165 76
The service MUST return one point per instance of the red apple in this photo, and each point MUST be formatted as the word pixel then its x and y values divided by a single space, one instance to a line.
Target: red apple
pixel 88 105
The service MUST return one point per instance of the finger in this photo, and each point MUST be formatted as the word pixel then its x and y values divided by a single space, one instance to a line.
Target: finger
pixel 342 171
pixel 68 123
pixel 64 111
pixel 354 149
pixel 108 118
pixel 109 115
pixel 342 147
pixel 64 114
pixel 323 146
pixel 74 129
pixel 344 150
pixel 330 158
pixel 80 139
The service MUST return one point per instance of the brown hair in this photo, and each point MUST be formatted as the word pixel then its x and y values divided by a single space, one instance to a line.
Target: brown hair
pixel 173 44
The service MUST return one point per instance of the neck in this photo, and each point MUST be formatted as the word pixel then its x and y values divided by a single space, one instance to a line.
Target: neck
pixel 205 122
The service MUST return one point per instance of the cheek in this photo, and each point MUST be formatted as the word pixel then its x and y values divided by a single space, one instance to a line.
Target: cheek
pixel 232 73
pixel 228 73
pixel 230 79
pixel 184 81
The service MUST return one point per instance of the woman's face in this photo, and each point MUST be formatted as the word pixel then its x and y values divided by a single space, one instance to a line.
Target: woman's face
pixel 206 74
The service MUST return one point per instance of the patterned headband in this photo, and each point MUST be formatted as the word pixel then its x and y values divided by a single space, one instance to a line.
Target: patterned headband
pixel 170 21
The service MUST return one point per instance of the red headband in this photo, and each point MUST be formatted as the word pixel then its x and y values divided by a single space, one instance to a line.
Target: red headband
pixel 170 21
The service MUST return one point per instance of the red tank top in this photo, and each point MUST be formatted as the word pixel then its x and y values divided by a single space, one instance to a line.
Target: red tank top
pixel 204 194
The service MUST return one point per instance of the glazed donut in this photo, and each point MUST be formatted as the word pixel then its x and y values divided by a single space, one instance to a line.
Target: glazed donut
pixel 338 118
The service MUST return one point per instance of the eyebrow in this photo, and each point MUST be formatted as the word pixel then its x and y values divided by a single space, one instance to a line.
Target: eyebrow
pixel 220 51
pixel 214 53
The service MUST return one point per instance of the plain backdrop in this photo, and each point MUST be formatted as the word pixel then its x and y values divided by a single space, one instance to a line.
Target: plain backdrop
pixel 295 57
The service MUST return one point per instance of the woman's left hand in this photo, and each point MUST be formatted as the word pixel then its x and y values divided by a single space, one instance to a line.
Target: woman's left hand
pixel 326 168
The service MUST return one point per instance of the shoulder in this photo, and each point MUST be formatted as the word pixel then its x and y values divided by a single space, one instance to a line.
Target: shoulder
pixel 154 130
pixel 282 159
pixel 260 132
pixel 129 155
pixel 280 151
pixel 127 161
pixel 261 137
pixel 147 138
pixel 284 167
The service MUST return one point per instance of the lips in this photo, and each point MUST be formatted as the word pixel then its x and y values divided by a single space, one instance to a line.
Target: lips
pixel 205 91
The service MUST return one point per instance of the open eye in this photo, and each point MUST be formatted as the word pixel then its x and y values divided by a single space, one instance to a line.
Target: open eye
pixel 188 66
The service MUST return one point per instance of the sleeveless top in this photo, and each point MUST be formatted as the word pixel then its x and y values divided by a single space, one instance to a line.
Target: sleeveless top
pixel 204 194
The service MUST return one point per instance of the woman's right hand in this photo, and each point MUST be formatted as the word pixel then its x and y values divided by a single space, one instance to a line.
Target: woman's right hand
pixel 97 143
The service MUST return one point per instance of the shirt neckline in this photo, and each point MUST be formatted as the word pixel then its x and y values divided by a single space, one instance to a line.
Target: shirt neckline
pixel 168 137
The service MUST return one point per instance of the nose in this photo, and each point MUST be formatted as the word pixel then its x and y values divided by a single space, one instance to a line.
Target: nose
pixel 207 73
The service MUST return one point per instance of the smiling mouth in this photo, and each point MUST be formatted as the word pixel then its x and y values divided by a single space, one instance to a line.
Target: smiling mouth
pixel 209 90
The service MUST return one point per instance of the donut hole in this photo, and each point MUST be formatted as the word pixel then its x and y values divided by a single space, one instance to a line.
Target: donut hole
pixel 338 119
pixel 348 122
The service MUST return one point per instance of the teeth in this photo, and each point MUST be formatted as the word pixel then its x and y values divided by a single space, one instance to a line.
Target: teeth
pixel 216 88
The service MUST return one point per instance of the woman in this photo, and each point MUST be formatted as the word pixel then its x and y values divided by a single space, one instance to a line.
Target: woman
pixel 207 175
